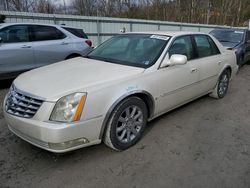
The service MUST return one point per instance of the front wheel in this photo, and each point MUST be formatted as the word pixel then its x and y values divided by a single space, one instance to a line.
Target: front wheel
pixel 126 125
pixel 222 86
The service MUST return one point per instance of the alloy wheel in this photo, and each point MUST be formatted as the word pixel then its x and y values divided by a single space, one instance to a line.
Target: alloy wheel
pixel 129 124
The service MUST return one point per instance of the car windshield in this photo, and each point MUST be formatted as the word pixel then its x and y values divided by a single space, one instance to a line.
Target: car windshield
pixel 233 36
pixel 139 50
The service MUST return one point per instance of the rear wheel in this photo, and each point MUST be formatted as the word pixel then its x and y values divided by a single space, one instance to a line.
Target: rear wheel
pixel 126 125
pixel 222 86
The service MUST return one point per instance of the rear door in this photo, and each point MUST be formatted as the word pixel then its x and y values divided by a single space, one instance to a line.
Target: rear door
pixel 210 62
pixel 16 50
pixel 50 45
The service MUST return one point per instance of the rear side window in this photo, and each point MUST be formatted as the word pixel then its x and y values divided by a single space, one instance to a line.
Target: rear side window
pixel 15 34
pixel 204 48
pixel 77 32
pixel 43 33
pixel 183 46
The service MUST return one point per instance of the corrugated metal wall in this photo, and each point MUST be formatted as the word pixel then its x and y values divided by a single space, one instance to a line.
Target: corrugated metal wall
pixel 100 29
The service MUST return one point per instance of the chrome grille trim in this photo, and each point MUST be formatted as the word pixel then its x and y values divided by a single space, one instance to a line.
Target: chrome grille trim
pixel 22 104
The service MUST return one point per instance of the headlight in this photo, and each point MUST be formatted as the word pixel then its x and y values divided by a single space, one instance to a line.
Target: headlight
pixel 69 108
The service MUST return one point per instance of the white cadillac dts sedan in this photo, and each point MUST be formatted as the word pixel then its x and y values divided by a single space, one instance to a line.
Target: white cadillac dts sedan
pixel 112 93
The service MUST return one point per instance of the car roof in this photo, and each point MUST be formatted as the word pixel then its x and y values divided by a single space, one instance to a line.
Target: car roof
pixel 167 33
pixel 24 23
pixel 229 29
pixel 66 26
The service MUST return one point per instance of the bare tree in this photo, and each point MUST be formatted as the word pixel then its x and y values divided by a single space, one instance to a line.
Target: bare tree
pixel 44 6
pixel 20 5
pixel 225 12
pixel 85 7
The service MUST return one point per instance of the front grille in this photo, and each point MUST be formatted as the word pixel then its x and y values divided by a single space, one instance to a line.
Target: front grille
pixel 22 105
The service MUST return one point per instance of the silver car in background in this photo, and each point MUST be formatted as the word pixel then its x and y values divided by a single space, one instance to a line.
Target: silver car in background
pixel 25 46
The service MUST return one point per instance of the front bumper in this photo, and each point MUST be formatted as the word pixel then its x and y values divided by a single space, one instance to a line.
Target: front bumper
pixel 53 136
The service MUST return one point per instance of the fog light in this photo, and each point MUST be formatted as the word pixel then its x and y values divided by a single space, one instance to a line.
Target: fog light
pixel 68 144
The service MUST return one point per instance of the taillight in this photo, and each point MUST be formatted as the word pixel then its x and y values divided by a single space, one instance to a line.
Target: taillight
pixel 88 42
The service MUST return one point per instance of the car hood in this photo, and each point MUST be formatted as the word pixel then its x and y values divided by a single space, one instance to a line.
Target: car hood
pixel 75 75
pixel 230 44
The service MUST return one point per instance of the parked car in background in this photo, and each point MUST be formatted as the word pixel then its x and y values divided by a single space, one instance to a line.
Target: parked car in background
pixel 112 93
pixel 27 46
pixel 235 39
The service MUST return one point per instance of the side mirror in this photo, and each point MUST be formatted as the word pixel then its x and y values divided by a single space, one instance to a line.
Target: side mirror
pixel 175 59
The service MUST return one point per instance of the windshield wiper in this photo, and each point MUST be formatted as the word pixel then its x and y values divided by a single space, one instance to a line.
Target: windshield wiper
pixel 229 41
pixel 101 59
pixel 225 41
pixel 86 56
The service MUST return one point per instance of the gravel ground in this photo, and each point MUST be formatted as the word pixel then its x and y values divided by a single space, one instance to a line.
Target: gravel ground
pixel 203 144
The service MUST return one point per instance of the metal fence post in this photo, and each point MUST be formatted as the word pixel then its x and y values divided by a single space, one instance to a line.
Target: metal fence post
pixel 130 26
pixel 54 18
pixel 98 26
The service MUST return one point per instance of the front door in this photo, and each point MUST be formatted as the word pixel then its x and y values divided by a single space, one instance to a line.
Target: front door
pixel 178 84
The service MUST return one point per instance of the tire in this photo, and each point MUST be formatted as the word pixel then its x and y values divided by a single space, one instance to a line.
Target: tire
pixel 222 86
pixel 126 124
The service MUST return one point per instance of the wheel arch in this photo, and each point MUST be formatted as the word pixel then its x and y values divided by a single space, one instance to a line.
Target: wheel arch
pixel 143 95
pixel 227 67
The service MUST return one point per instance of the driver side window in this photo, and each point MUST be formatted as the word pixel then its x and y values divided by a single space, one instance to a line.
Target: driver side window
pixel 182 46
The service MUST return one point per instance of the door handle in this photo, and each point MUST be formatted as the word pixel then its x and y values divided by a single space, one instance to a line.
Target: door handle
pixel 219 63
pixel 193 70
pixel 64 43
pixel 25 46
